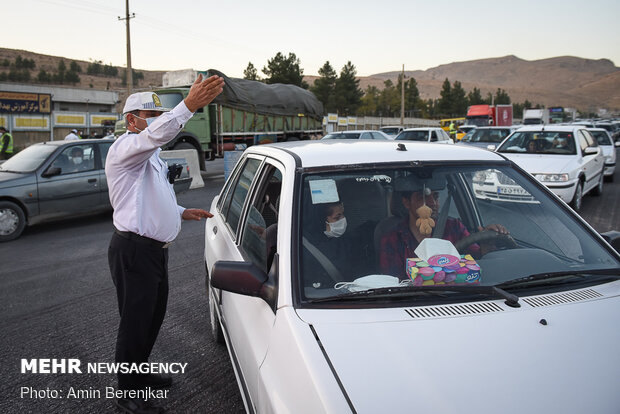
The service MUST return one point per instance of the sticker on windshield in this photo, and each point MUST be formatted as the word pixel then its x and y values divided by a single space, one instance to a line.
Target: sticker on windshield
pixel 323 191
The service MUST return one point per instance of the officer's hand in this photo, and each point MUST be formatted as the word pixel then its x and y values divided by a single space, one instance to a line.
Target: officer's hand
pixel 195 214
pixel 203 92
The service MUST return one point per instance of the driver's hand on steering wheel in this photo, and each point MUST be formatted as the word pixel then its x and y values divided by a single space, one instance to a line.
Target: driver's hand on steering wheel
pixel 495 227
pixel 486 247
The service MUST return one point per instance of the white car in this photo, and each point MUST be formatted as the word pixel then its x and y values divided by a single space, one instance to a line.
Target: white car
pixel 608 146
pixel 567 159
pixel 391 131
pixel 317 324
pixel 437 135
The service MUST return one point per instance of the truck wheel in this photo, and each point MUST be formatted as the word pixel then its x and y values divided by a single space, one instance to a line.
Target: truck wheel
pixel 12 221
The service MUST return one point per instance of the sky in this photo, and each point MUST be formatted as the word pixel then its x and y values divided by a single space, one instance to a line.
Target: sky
pixel 375 36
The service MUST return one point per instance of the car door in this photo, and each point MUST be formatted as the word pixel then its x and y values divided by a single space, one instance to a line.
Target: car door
pixel 76 188
pixel 592 164
pixel 239 235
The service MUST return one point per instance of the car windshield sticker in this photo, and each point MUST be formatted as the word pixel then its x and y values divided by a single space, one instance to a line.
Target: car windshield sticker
pixel 323 191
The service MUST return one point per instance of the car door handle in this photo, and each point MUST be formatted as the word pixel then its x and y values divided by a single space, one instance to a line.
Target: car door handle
pixel 92 180
pixel 214 229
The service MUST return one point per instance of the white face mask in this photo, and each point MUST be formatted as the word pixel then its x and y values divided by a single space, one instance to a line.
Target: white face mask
pixel 149 121
pixel 337 228
pixel 77 160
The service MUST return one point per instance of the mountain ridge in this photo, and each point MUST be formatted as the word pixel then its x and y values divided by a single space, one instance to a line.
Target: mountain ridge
pixel 569 81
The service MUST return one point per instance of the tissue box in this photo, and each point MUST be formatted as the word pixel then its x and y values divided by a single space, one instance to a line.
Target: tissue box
pixel 443 269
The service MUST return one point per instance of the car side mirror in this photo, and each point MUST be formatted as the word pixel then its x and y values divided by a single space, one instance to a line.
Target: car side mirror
pixel 52 171
pixel 617 144
pixel 491 147
pixel 613 238
pixel 244 278
pixel 590 151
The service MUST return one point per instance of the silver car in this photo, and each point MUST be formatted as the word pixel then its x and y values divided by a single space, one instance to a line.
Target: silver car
pixel 58 179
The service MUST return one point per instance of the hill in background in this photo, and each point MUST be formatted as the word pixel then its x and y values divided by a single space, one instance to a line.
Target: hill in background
pixel 567 81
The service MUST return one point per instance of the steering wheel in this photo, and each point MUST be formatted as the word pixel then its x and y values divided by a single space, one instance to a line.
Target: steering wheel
pixel 487 236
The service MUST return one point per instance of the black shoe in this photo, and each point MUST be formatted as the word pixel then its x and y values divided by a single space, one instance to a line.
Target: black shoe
pixel 138 406
pixel 156 381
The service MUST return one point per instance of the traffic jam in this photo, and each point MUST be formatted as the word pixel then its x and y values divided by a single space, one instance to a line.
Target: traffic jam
pixel 449 268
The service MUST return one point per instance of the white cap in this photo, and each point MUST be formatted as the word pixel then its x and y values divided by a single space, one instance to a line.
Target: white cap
pixel 143 101
pixel 74 130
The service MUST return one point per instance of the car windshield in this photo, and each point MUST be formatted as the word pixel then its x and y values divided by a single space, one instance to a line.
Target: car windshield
pixel 344 135
pixel 360 229
pixel 28 159
pixel 413 136
pixel 170 100
pixel 390 131
pixel 601 137
pixel 540 142
pixel 487 135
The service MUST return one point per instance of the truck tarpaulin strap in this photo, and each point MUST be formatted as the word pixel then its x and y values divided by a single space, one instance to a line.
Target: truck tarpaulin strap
pixel 278 98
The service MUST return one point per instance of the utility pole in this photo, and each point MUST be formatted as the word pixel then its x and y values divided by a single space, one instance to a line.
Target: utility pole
pixel 402 97
pixel 129 76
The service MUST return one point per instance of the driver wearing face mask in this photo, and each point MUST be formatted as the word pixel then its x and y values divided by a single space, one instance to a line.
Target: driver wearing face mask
pixel 77 157
pixel 335 221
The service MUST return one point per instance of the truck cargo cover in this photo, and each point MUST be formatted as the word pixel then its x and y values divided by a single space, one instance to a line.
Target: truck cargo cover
pixel 479 110
pixel 275 99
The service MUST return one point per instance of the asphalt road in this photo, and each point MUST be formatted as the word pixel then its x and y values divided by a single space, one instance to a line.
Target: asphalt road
pixel 58 301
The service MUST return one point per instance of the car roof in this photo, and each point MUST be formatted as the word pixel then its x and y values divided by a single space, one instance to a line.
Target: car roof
pixel 552 127
pixel 420 129
pixel 355 131
pixel 499 127
pixel 75 141
pixel 346 152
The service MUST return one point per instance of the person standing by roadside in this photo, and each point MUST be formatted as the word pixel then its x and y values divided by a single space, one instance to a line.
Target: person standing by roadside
pixel 146 220
pixel 6 144
pixel 452 131
pixel 72 136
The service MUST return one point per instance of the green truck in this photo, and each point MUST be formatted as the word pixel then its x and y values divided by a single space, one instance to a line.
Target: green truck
pixel 246 112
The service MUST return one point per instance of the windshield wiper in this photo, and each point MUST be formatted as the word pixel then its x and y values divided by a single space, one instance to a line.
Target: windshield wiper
pixel 393 291
pixel 560 276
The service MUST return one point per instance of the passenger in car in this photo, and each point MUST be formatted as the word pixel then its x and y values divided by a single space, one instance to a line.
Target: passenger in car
pixel 399 244
pixel 331 254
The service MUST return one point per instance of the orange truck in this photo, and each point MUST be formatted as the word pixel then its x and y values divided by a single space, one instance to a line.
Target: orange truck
pixel 489 115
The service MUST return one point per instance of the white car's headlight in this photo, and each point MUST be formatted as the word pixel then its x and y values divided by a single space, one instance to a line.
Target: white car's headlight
pixel 552 178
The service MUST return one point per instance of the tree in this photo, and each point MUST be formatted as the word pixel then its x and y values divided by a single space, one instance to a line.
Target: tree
pixel 325 87
pixel 459 100
pixel 370 102
pixel 75 67
pixel 44 77
pixel 474 97
pixel 501 97
pixel 444 105
pixel 94 68
pixel 287 70
pixel 348 92
pixel 389 100
pixel 250 73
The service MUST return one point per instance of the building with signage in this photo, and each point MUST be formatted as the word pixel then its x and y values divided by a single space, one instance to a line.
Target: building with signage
pixel 37 113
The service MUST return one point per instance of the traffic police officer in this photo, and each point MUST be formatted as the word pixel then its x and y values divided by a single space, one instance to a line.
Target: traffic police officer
pixel 6 143
pixel 452 131
pixel 146 220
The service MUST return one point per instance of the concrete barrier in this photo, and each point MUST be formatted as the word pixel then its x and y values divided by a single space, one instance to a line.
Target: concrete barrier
pixel 192 160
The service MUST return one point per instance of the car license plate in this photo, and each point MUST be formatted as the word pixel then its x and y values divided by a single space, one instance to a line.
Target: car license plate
pixel 512 190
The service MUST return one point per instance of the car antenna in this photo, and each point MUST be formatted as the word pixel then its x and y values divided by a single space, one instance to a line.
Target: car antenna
pixel 401 147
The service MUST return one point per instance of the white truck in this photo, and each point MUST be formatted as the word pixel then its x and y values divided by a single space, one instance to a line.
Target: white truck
pixel 535 116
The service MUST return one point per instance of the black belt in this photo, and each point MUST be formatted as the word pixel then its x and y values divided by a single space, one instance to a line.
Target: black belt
pixel 142 239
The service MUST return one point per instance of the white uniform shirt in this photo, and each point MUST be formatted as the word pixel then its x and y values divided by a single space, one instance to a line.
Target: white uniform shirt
pixel 140 193
pixel 71 137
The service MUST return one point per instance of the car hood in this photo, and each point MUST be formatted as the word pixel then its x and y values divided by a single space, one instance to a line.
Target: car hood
pixel 9 179
pixel 538 163
pixel 507 361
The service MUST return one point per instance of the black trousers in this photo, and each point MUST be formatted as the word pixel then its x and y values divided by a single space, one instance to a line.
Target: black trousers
pixel 140 274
